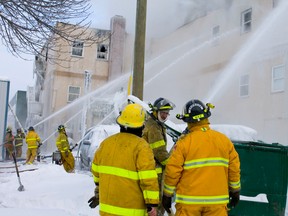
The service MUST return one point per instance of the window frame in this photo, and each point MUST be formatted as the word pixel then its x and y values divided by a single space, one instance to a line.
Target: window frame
pixel 244 85
pixel 274 79
pixel 246 25
pixel 73 94
pixel 77 49
pixel 106 54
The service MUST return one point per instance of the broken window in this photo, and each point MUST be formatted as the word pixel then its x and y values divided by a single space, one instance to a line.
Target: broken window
pixel 102 51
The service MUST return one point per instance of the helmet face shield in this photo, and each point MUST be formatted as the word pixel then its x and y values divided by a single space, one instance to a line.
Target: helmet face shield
pixel 163 104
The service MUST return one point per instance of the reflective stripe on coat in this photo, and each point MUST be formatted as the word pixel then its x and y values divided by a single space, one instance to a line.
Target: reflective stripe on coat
pixel 202 168
pixel 62 143
pixel 19 137
pixel 32 139
pixel 155 135
pixel 124 167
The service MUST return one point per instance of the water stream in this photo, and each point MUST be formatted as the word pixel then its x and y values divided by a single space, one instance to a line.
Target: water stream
pixel 165 68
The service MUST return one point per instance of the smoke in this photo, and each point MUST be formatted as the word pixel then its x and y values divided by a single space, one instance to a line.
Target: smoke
pixel 163 16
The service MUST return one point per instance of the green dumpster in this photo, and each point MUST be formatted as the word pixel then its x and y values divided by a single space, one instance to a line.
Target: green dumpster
pixel 264 171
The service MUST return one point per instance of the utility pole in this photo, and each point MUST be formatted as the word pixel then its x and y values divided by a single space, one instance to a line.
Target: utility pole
pixel 139 49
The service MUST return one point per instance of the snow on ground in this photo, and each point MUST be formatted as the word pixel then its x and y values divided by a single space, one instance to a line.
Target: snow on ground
pixel 48 191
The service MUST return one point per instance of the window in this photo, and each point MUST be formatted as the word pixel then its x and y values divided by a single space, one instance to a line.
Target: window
pixel 246 21
pixel 244 85
pixel 278 78
pixel 77 48
pixel 73 93
pixel 102 51
pixel 215 34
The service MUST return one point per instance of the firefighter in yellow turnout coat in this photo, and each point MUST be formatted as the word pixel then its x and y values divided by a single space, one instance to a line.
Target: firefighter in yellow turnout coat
pixel 203 169
pixel 19 137
pixel 155 134
pixel 33 142
pixel 124 170
pixel 67 158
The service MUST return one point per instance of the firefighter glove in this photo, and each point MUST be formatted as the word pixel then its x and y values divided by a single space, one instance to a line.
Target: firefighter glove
pixel 166 202
pixel 234 198
pixel 39 145
pixel 94 201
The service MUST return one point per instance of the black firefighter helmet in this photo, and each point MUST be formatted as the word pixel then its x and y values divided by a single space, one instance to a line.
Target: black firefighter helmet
pixel 195 111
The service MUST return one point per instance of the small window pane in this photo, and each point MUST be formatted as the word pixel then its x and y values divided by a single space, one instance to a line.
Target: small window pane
pixel 77 48
pixel 244 85
pixel 102 51
pixel 278 78
pixel 246 21
pixel 73 93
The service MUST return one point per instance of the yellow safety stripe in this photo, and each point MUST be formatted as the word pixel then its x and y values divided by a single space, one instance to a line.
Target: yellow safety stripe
pixel 204 129
pixel 217 161
pixel 158 170
pixel 115 210
pixel 151 194
pixel 63 151
pixel 18 138
pixel 164 162
pixel 19 144
pixel 96 179
pixel 157 144
pixel 235 185
pixel 147 174
pixel 198 116
pixel 32 147
pixel 165 108
pixel 223 199
pixel 168 189
pixel 31 139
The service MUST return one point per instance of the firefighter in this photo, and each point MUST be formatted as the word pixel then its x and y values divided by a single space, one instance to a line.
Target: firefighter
pixel 9 146
pixel 203 169
pixel 155 134
pixel 62 144
pixel 33 142
pixel 19 137
pixel 124 169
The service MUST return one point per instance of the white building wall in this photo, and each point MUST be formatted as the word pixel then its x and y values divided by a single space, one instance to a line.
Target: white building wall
pixel 194 65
